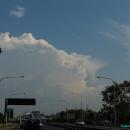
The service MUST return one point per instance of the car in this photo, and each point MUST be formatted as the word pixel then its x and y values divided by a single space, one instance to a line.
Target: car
pixel 35 124
pixel 125 125
pixel 28 125
pixel 38 124
pixel 22 123
pixel 80 122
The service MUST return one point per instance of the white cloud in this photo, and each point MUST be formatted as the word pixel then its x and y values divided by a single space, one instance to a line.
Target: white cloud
pixel 122 35
pixel 54 73
pixel 18 11
pixel 108 35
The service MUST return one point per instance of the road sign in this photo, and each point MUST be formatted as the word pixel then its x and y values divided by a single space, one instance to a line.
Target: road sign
pixel 20 101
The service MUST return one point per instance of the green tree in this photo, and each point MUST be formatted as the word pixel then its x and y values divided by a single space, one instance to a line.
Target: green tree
pixel 1 117
pixel 116 96
pixel 91 117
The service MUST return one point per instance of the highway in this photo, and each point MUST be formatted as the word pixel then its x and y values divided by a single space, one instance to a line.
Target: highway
pixel 46 128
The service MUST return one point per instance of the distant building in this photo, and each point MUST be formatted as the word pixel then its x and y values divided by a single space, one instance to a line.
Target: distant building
pixel 35 114
pixel 71 116
pixel 42 116
pixel 27 116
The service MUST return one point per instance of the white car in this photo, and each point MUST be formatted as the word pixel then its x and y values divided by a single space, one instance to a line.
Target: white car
pixel 80 122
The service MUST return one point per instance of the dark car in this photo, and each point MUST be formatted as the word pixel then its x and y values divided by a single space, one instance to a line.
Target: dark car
pixel 22 123
pixel 38 124
pixel 28 125
pixel 34 125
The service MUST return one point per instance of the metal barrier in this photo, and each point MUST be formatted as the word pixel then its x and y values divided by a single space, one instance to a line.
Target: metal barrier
pixel 76 127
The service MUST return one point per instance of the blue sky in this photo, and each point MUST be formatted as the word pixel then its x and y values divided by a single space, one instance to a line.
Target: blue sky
pixel 99 29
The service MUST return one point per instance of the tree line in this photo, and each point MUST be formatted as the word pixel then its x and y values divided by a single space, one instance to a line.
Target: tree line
pixel 116 98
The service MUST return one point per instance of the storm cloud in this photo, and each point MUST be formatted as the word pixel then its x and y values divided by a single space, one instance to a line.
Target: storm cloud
pixel 50 74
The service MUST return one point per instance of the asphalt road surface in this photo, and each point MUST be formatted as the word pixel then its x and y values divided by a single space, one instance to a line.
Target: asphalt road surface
pixel 46 128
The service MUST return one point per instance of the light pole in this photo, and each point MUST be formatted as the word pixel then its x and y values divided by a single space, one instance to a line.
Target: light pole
pixel 115 85
pixel 81 104
pixel 64 101
pixel 6 103
pixel 9 77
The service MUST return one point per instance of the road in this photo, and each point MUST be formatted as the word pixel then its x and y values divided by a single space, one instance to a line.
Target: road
pixel 46 128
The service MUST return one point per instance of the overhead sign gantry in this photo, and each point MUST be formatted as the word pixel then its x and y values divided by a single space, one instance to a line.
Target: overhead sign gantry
pixel 18 101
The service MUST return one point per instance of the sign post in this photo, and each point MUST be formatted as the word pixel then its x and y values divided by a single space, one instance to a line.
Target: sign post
pixel 17 101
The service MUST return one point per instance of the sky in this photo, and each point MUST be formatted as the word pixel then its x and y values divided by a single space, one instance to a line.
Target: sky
pixel 61 46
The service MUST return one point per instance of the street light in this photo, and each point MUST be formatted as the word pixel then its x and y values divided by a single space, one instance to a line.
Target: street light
pixel 81 104
pixel 115 85
pixel 9 77
pixel 64 101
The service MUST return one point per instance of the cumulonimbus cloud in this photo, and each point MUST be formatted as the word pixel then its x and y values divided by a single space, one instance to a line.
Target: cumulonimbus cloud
pixel 54 73
pixel 18 11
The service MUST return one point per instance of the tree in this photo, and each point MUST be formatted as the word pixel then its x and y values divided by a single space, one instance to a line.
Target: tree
pixel 116 96
pixel 91 117
pixel 1 117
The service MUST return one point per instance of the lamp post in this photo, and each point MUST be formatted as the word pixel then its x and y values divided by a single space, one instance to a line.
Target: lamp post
pixel 115 85
pixel 81 104
pixel 6 103
pixel 9 77
pixel 64 101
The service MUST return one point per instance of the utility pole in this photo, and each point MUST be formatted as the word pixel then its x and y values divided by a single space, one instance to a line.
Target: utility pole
pixel 64 101
pixel 81 104
pixel 86 112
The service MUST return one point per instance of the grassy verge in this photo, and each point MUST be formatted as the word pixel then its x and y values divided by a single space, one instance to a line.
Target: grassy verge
pixel 5 125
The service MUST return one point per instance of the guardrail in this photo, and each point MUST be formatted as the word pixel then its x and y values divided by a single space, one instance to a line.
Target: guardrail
pixel 77 127
pixel 69 126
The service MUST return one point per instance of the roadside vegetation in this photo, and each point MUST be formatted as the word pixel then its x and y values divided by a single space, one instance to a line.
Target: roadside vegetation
pixel 116 98
pixel 2 120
